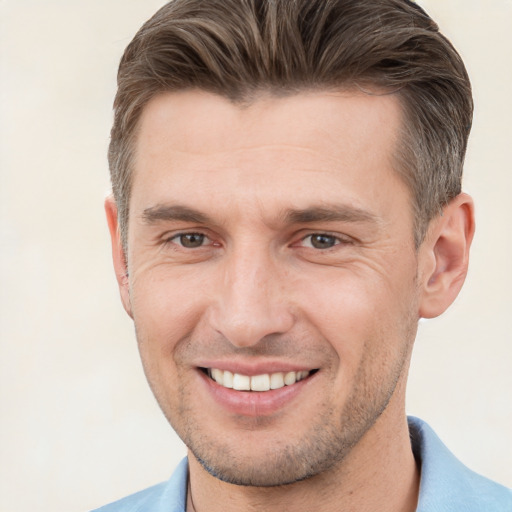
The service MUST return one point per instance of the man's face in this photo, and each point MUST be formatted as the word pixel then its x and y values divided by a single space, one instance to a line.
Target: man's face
pixel 266 241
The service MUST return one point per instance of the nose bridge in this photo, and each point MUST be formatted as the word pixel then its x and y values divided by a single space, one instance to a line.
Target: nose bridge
pixel 252 301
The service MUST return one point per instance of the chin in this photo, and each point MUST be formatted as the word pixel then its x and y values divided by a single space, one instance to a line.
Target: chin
pixel 274 463
pixel 268 474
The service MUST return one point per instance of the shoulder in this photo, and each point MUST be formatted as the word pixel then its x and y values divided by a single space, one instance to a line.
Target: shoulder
pixel 142 500
pixel 167 496
pixel 446 484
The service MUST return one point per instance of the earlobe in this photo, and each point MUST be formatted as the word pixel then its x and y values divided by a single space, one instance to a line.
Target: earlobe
pixel 118 255
pixel 445 255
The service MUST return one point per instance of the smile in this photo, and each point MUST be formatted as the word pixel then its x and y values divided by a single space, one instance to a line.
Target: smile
pixel 263 382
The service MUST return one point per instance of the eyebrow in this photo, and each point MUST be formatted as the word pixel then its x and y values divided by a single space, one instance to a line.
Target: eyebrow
pixel 329 213
pixel 170 213
pixel 333 213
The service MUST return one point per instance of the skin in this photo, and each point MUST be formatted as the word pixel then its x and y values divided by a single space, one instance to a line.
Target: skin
pixel 257 184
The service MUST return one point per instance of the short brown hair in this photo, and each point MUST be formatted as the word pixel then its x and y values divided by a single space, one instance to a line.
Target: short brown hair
pixel 237 48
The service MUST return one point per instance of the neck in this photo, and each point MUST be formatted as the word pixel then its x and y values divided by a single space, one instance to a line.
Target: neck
pixel 380 473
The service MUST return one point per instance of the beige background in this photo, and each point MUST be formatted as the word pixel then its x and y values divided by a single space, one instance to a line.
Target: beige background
pixel 79 426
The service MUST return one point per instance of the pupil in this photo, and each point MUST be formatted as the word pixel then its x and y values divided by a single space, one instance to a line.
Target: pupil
pixel 322 241
pixel 192 240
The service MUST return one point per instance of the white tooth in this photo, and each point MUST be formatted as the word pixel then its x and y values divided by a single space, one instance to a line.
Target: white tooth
pixel 241 382
pixel 218 375
pixel 228 379
pixel 305 373
pixel 290 378
pixel 260 382
pixel 276 380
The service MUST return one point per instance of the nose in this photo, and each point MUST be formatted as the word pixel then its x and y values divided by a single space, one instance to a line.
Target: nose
pixel 251 301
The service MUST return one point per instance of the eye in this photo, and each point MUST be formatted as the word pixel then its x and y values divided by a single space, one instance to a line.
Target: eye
pixel 320 241
pixel 190 240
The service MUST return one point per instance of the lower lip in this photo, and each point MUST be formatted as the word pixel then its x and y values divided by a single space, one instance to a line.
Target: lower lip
pixel 253 403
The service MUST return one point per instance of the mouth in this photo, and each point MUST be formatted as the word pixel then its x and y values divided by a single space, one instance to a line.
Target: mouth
pixel 260 383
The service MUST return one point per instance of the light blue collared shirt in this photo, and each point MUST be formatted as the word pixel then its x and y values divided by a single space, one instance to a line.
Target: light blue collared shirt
pixel 446 484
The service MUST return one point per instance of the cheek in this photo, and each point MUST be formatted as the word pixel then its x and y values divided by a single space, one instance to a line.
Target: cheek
pixel 165 312
pixel 166 308
pixel 354 311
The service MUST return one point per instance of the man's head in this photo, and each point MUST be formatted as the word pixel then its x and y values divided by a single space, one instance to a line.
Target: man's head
pixel 274 157
pixel 241 49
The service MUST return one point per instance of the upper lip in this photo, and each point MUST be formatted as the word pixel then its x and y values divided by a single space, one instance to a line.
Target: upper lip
pixel 251 368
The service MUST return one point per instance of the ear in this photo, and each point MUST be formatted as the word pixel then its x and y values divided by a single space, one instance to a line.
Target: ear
pixel 444 256
pixel 118 255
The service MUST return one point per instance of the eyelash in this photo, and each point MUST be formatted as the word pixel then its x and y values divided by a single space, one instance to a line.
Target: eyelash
pixel 337 240
pixel 179 240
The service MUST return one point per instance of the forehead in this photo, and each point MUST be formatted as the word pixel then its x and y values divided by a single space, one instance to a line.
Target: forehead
pixel 198 120
pixel 323 144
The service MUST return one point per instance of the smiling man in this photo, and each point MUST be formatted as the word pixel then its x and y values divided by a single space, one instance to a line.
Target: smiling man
pixel 286 205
